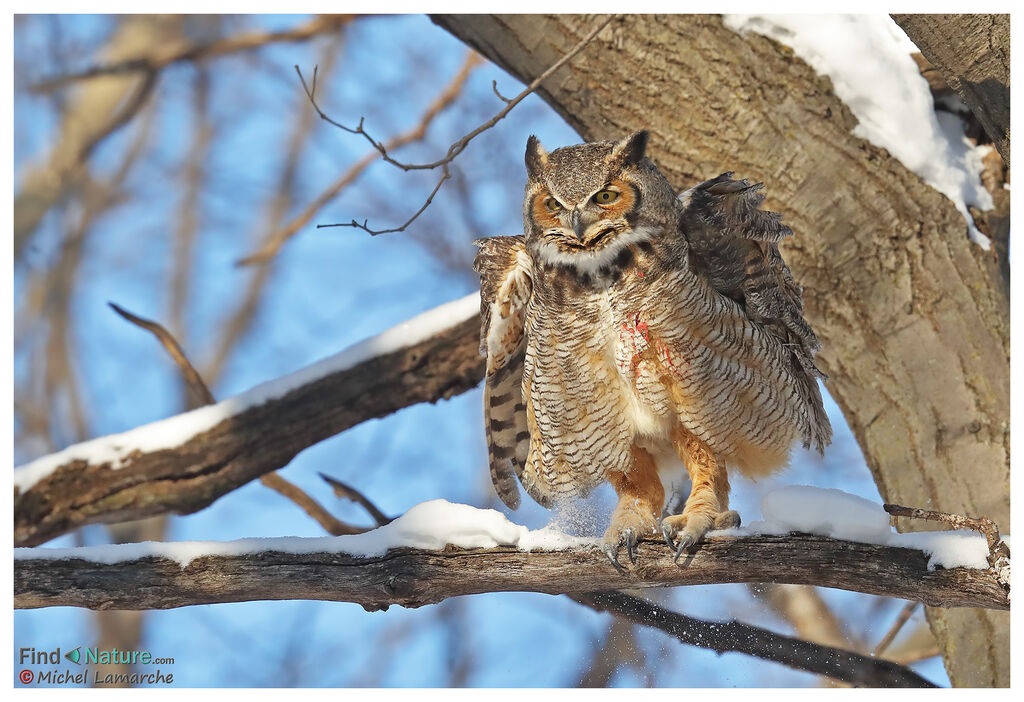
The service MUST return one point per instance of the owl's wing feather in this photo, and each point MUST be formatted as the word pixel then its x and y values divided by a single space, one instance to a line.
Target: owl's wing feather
pixel 734 245
pixel 506 284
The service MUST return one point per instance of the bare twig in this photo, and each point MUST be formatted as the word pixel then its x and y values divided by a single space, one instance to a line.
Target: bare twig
pixel 447 96
pixel 721 637
pixel 347 492
pixel 195 382
pixel 220 47
pixel 494 87
pixel 456 148
pixel 445 175
pixel 271 480
pixel 901 619
pixel 314 509
pixel 957 521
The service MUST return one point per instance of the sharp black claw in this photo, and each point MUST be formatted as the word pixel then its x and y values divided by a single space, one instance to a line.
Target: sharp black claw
pixel 684 541
pixel 666 531
pixel 629 537
pixel 613 556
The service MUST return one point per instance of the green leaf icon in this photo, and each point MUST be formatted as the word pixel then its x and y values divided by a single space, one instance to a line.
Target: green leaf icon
pixel 74 656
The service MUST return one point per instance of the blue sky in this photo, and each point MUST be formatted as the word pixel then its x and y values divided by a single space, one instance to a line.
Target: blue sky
pixel 329 289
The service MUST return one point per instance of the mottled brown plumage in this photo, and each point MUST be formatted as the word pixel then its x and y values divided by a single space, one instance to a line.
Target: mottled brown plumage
pixel 630 329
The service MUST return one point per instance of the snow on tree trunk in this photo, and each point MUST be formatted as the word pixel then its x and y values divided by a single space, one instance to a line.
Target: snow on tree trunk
pixel 973 54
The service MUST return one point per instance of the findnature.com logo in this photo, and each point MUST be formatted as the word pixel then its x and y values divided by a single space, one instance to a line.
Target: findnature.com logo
pixel 39 667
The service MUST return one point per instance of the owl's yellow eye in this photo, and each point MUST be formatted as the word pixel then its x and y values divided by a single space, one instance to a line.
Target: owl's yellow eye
pixel 552 204
pixel 606 197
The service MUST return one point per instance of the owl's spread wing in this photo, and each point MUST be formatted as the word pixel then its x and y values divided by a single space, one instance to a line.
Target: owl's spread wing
pixel 506 284
pixel 734 245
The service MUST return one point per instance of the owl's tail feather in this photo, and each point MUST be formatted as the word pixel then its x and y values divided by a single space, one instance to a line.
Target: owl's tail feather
pixel 817 432
pixel 508 436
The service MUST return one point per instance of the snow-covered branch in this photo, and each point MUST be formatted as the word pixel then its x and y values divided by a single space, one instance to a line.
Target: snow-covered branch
pixel 184 463
pixel 162 576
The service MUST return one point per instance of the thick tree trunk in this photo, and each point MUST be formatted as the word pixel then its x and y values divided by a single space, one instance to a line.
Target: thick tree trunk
pixel 973 54
pixel 914 318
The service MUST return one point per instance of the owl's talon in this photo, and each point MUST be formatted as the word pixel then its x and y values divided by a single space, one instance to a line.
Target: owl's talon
pixel 629 538
pixel 685 541
pixel 612 552
pixel 668 533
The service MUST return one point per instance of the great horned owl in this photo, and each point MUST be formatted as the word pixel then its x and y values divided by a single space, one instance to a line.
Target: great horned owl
pixel 630 329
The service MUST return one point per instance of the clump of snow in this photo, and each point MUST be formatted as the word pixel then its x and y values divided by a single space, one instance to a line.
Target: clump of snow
pixel 840 515
pixel 824 511
pixel 948 549
pixel 435 524
pixel 429 525
pixel 867 57
pixel 174 431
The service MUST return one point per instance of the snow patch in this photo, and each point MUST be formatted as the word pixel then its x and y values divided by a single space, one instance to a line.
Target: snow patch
pixel 429 526
pixel 840 515
pixel 435 524
pixel 174 431
pixel 867 57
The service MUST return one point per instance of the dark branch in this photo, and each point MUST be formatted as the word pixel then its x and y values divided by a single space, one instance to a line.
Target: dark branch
pixel 191 375
pixel 413 578
pixel 723 637
pixel 330 523
pixel 347 492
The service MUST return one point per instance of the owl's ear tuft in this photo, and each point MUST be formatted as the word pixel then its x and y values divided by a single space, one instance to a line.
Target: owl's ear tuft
pixel 630 151
pixel 536 157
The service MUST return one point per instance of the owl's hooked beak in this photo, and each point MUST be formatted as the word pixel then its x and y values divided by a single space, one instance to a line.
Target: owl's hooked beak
pixel 578 226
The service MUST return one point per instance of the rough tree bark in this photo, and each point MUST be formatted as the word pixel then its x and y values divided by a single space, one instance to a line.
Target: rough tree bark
pixel 973 54
pixel 913 317
pixel 412 577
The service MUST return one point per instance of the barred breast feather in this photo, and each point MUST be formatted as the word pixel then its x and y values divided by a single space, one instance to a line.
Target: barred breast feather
pixel 505 288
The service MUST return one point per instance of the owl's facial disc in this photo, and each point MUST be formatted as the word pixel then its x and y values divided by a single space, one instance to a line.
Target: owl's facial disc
pixel 591 223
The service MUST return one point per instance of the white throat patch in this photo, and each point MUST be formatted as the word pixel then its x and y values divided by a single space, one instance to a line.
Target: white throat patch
pixel 591 262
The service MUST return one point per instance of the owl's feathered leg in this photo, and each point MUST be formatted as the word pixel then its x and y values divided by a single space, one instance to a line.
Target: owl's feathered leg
pixel 641 497
pixel 707 507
